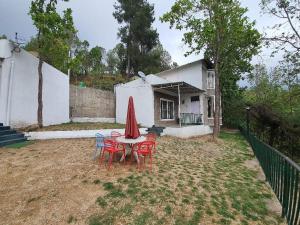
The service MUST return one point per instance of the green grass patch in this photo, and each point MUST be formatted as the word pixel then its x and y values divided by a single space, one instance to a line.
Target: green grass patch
pixel 20 145
pixel 101 202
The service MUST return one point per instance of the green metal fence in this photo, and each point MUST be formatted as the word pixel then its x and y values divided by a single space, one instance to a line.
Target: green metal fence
pixel 282 174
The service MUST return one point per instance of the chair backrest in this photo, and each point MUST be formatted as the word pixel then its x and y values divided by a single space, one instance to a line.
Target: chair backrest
pixel 99 140
pixel 146 146
pixel 109 144
pixel 115 134
pixel 150 137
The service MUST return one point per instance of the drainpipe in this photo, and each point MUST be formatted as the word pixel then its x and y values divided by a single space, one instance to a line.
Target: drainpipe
pixel 9 91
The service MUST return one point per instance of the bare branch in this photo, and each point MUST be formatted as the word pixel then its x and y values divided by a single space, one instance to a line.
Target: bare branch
pixel 283 40
pixel 290 22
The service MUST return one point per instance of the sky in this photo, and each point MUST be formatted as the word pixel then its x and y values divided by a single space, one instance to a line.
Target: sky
pixel 96 24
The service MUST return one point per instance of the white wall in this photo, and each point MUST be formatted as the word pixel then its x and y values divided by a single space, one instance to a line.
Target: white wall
pixel 19 103
pixel 143 99
pixel 191 74
pixel 43 135
pixel 188 131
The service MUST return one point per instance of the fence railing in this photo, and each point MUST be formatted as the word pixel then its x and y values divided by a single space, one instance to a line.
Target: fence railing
pixel 191 118
pixel 282 174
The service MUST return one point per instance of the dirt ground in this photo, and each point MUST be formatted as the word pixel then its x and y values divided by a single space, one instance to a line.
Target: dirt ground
pixel 57 182
pixel 46 182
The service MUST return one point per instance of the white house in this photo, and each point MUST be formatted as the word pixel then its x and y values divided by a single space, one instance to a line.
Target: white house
pixel 19 89
pixel 180 99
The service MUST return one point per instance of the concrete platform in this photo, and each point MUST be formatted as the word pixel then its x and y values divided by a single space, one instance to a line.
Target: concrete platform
pixel 188 131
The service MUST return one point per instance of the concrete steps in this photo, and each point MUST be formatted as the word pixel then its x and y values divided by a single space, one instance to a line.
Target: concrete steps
pixel 9 136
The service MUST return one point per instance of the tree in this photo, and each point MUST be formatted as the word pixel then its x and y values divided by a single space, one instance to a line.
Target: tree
pixel 288 29
pixel 157 60
pixel 54 32
pixel 113 61
pixel 288 74
pixel 136 33
pixel 95 59
pixel 221 29
pixel 80 64
pixel 3 36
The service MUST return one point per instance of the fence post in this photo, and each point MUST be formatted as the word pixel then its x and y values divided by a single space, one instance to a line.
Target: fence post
pixel 248 119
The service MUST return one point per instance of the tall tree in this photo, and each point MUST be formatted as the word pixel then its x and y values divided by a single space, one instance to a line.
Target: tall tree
pixel 54 30
pixel 285 34
pixel 288 28
pixel 95 59
pixel 113 61
pixel 221 29
pixel 136 32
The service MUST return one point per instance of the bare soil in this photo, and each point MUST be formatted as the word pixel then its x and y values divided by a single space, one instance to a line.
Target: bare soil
pixel 57 182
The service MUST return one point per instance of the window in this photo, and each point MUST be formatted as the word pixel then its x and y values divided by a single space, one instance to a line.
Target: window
pixel 195 99
pixel 210 106
pixel 166 109
pixel 210 80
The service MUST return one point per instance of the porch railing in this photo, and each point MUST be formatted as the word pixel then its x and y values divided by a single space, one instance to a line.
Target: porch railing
pixel 282 174
pixel 191 118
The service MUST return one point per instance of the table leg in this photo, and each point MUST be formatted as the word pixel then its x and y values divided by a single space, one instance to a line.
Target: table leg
pixel 131 150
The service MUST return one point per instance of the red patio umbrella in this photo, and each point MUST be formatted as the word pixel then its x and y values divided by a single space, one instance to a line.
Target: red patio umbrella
pixel 131 129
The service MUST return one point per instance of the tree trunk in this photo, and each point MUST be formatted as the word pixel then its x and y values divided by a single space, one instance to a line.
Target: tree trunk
pixel 40 94
pixel 216 129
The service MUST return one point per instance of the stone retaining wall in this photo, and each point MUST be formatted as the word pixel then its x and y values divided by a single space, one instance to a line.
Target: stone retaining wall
pixel 91 103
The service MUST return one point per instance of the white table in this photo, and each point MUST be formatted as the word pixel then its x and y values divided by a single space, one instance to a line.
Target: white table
pixel 128 141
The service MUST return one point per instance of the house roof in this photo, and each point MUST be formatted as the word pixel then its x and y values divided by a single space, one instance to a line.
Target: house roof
pixel 173 87
pixel 208 64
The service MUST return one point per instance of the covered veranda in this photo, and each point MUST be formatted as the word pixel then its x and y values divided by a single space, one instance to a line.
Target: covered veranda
pixel 191 114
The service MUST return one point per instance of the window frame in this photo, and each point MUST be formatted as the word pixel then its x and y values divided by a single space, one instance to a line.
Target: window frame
pixel 213 80
pixel 214 106
pixel 160 109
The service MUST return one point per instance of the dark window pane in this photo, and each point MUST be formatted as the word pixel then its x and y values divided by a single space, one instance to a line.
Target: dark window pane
pixel 195 99
pixel 171 110
pixel 163 110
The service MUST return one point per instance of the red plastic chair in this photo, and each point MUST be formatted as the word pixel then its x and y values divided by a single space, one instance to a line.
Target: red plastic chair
pixel 145 149
pixel 115 134
pixel 151 137
pixel 110 146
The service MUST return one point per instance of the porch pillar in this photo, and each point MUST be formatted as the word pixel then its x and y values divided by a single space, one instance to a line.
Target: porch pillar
pixel 179 103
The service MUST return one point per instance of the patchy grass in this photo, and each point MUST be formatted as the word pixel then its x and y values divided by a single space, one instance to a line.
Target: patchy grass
pixel 193 181
pixel 77 126
pixel 197 181
pixel 20 145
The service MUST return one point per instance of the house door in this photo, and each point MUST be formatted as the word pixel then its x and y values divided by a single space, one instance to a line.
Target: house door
pixel 195 104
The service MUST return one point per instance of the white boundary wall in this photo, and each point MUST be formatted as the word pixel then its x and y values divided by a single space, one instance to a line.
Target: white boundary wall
pixel 19 92
pixel 92 120
pixel 43 135
pixel 189 131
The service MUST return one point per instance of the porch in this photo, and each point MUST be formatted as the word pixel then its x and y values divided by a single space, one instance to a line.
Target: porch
pixel 178 104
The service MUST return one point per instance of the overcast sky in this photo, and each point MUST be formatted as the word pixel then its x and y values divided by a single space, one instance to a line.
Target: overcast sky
pixel 95 23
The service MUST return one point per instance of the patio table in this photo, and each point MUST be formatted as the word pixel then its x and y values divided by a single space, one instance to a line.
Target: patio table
pixel 130 142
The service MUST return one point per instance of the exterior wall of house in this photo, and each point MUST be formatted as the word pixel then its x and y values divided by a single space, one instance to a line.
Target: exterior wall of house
pixel 143 104
pixel 90 104
pixel 19 92
pixel 190 74
pixel 143 99
pixel 157 119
